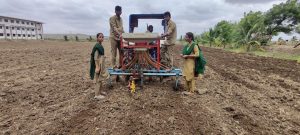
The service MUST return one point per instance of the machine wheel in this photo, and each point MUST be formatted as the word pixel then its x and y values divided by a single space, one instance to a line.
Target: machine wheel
pixel 127 78
pixel 160 78
pixel 118 78
pixel 110 86
pixel 175 87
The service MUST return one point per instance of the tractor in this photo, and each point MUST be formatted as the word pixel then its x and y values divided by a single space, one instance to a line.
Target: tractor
pixel 140 53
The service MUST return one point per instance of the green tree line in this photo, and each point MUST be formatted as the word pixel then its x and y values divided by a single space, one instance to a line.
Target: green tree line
pixel 255 29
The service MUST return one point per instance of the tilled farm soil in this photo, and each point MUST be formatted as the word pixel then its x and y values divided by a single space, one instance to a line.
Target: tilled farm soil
pixel 45 89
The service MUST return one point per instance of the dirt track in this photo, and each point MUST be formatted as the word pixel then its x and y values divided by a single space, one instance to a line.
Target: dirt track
pixel 45 89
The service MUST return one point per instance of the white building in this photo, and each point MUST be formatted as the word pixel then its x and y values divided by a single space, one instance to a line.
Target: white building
pixel 15 28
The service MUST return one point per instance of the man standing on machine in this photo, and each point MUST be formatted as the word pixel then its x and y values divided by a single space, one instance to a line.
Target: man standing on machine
pixel 167 48
pixel 116 29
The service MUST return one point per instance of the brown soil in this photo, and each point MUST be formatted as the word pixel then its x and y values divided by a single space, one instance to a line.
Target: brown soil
pixel 45 89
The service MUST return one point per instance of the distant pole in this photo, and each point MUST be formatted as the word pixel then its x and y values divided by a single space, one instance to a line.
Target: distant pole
pixel 4 28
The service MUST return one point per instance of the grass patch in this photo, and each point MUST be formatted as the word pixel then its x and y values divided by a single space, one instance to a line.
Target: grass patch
pixel 263 53
pixel 236 50
pixel 278 55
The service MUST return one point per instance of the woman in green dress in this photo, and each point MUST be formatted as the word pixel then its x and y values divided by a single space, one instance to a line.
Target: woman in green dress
pixel 194 62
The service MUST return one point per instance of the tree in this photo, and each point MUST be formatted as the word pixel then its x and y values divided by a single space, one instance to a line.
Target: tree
pixel 211 36
pixel 223 31
pixel 66 38
pixel 250 29
pixel 207 37
pixel 298 29
pixel 256 28
pixel 76 38
pixel 282 18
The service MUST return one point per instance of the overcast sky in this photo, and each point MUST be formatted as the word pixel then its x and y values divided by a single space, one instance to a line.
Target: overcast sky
pixel 91 16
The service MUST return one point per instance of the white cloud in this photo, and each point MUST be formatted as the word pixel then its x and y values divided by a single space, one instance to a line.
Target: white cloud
pixel 250 1
pixel 90 17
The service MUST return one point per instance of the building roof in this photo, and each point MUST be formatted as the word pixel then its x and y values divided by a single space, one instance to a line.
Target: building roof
pixel 20 19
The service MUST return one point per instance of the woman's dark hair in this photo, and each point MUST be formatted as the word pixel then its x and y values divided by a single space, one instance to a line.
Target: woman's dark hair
pixel 167 14
pixel 190 35
pixel 99 34
pixel 118 8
